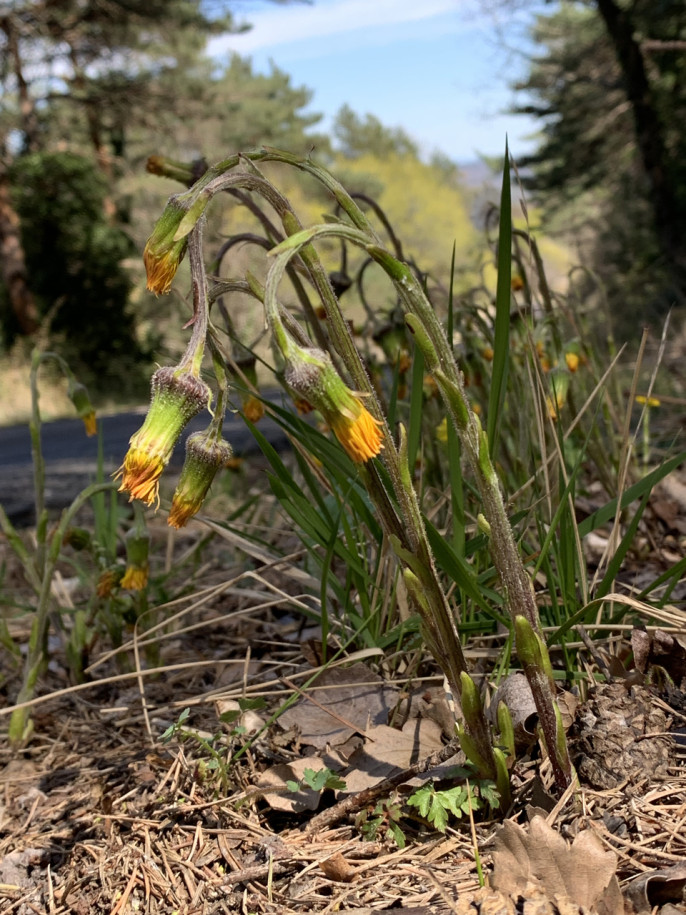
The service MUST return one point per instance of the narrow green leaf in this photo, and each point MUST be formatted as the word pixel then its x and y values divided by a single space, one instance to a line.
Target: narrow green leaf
pixel 608 511
pixel 414 432
pixel 501 347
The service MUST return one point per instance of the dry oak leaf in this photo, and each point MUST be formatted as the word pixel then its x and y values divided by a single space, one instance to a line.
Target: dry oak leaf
pixel 658 888
pixel 581 874
pixel 345 700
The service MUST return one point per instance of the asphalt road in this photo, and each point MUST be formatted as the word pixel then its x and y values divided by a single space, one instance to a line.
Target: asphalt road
pixel 71 457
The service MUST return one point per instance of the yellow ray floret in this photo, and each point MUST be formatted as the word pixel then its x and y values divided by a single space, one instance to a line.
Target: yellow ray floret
pixel 360 436
pixel 135 578
pixel 140 473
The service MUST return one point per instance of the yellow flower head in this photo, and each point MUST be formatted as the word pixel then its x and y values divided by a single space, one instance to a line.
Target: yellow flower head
pixel 176 398
pixel 161 263
pixel 137 552
pixel 650 401
pixel 167 244
pixel 360 435
pixel 140 473
pixel 78 394
pixel 253 409
pixel 135 578
pixel 90 423
pixel 572 360
pixel 205 455
pixel 311 376
pixel 558 397
pixel 442 430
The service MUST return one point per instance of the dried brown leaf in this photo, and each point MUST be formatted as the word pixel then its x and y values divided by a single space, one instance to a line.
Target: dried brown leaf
pixel 658 888
pixel 662 649
pixel 346 700
pixel 582 873
pixel 391 750
pixel 279 797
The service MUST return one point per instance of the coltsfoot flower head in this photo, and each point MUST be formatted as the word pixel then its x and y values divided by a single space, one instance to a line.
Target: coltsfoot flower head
pixel 245 372
pixel 253 408
pixel 162 254
pixel 650 401
pixel 109 580
pixel 137 542
pixel 310 374
pixel 559 389
pixel 78 394
pixel 205 455
pixel 135 578
pixel 166 247
pixel 177 397
pixel 573 356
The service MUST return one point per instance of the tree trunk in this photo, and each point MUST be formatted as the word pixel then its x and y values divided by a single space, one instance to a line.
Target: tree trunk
pixel 93 120
pixel 12 263
pixel 649 131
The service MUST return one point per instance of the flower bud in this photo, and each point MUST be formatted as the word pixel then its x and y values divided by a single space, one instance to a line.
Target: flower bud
pixel 205 455
pixel 245 373
pixel 78 394
pixel 137 561
pixel 311 376
pixel 559 383
pixel 78 538
pixel 176 399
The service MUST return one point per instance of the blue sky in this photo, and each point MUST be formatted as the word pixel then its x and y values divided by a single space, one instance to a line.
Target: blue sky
pixel 437 68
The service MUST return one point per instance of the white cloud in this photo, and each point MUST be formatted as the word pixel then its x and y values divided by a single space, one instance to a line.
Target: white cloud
pixel 280 25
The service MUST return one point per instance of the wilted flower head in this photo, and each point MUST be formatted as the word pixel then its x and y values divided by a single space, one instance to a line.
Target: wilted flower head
pixel 205 455
pixel 108 581
pixel 310 374
pixel 176 398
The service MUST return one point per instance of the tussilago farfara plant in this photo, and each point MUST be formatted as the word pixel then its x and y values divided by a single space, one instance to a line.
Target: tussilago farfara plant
pixel 313 373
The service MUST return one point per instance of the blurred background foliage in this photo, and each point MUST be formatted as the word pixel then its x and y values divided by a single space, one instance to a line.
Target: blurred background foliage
pixel 90 90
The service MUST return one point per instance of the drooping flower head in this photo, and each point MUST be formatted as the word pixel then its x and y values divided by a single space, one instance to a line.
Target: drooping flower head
pixel 243 372
pixel 78 394
pixel 311 376
pixel 166 247
pixel 108 581
pixel 177 396
pixel 253 408
pixel 163 252
pixel 137 539
pixel 205 455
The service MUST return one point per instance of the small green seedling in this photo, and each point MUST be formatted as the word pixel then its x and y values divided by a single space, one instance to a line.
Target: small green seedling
pixel 382 821
pixel 437 806
pixel 317 780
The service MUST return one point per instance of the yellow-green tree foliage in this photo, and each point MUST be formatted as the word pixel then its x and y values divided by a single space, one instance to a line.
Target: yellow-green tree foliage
pixel 425 205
